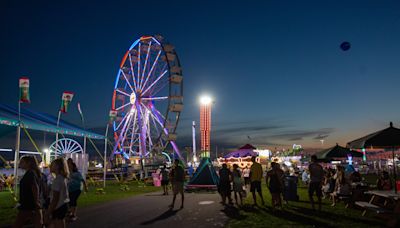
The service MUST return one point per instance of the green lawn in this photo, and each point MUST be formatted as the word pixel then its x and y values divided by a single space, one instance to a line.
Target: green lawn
pixel 113 192
pixel 299 214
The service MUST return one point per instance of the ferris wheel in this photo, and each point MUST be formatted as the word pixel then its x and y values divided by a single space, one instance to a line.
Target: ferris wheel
pixel 147 97
pixel 64 146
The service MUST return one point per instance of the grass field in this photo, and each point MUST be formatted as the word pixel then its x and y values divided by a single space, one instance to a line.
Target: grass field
pixel 300 214
pixel 112 192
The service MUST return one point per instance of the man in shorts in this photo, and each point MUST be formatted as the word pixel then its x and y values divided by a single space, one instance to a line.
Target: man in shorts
pixel 316 178
pixel 256 174
pixel 178 174
pixel 224 186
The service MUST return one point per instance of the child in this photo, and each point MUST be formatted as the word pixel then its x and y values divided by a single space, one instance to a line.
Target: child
pixel 59 194
pixel 237 183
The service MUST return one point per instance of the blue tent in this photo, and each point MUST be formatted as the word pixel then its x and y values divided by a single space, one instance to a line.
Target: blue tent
pixel 40 122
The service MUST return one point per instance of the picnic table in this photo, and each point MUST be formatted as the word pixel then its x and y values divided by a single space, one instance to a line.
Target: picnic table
pixel 387 195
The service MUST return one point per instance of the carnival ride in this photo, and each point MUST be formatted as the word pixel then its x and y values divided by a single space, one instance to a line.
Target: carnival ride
pixel 64 146
pixel 148 98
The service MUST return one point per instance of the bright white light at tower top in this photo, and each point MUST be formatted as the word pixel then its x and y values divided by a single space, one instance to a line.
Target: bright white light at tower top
pixel 205 100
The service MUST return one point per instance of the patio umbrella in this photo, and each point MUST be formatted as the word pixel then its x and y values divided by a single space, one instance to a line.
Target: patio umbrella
pixel 388 138
pixel 337 152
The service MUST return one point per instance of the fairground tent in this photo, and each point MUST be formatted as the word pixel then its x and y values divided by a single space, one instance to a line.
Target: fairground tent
pixel 37 122
pixel 40 122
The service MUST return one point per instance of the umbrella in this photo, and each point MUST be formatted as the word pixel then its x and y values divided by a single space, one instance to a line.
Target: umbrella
pixel 386 138
pixel 337 152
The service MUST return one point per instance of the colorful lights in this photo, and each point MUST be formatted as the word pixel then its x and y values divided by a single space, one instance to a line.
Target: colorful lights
pixel 205 125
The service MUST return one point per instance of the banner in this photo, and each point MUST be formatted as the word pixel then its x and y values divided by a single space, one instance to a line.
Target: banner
pixel 112 115
pixel 66 100
pixel 24 90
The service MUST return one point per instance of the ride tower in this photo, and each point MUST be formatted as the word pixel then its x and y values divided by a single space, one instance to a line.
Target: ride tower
pixel 205 176
pixel 205 126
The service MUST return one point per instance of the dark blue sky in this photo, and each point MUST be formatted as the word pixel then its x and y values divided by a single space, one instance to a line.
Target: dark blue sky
pixel 274 68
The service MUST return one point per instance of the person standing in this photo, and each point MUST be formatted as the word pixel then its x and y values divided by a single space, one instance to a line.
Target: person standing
pixel 59 197
pixel 178 174
pixel 165 179
pixel 246 175
pixel 316 179
pixel 29 194
pixel 342 186
pixel 74 188
pixel 237 184
pixel 224 186
pixel 305 177
pixel 256 174
pixel 275 184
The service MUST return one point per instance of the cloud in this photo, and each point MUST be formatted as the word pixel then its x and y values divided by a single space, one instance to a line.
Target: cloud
pixel 300 135
pixel 319 137
pixel 243 130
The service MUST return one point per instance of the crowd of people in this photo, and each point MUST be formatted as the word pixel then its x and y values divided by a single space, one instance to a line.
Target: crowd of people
pixel 45 202
pixel 51 198
pixel 335 183
pixel 6 181
pixel 321 182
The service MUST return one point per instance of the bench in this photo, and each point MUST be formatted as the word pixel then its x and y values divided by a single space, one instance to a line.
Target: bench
pixel 371 207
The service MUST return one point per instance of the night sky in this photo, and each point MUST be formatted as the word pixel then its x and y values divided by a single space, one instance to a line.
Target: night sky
pixel 274 68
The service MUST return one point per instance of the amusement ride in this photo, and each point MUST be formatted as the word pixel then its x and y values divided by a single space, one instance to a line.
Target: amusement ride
pixel 147 99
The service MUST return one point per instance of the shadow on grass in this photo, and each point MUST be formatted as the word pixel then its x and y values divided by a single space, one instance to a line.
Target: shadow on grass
pixel 334 217
pixel 233 213
pixel 250 208
pixel 297 218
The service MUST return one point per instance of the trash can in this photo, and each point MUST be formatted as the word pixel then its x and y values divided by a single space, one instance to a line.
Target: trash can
pixel 290 188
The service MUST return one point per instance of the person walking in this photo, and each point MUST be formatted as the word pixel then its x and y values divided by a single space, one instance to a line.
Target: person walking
pixel 59 197
pixel 256 174
pixel 75 183
pixel 316 179
pixel 29 194
pixel 275 184
pixel 224 186
pixel 165 179
pixel 237 184
pixel 178 174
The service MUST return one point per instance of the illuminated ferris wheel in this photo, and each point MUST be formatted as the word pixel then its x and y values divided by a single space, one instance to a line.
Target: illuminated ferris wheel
pixel 147 97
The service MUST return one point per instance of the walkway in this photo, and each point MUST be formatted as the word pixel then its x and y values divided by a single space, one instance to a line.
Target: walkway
pixel 151 210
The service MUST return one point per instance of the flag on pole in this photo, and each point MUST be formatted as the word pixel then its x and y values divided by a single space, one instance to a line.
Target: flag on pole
pixel 24 90
pixel 80 111
pixel 112 115
pixel 66 100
